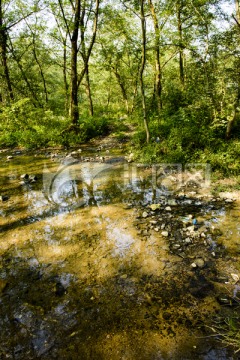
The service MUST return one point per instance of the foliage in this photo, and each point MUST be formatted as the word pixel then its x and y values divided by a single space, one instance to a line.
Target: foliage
pixel 27 126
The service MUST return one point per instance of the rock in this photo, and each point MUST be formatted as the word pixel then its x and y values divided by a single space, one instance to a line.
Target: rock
pixel 33 178
pixel 24 177
pixel 235 277
pixel 165 233
pixel 229 201
pixel 155 207
pixel 156 229
pixel 9 157
pixel 4 198
pixel 172 202
pixel 124 276
pixel 188 240
pixel 203 235
pixel 144 214
pixel 168 208
pixel 193 265
pixel 153 222
pixel 200 263
pixel 176 246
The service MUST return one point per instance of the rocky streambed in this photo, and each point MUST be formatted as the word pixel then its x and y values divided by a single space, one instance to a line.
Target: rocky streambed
pixel 97 262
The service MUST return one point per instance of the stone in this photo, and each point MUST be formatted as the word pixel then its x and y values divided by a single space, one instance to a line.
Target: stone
pixel 200 263
pixel 9 157
pixel 194 265
pixel 156 229
pixel 24 177
pixel 235 277
pixel 168 208
pixel 165 233
pixel 155 207
pixel 153 222
pixel 144 214
pixel 188 240
pixel 4 198
pixel 172 202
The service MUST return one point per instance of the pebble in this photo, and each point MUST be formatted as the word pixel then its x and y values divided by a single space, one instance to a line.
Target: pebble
pixel 172 202
pixel 144 214
pixel 9 157
pixel 155 207
pixel 168 208
pixel 165 233
pixel 24 177
pixel 156 229
pixel 200 263
pixel 235 277
pixel 188 240
pixel 4 198
pixel 153 222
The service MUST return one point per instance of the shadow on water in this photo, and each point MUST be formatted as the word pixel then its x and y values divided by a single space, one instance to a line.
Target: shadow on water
pixel 99 297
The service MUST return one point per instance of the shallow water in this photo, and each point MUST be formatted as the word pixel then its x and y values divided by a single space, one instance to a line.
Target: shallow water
pixel 84 275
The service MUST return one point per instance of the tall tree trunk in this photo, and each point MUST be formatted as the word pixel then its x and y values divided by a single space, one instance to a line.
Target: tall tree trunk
pixel 89 93
pixel 40 69
pixel 141 71
pixel 3 53
pixel 158 72
pixel 74 111
pixel 122 87
pixel 35 99
pixel 180 35
pixel 66 85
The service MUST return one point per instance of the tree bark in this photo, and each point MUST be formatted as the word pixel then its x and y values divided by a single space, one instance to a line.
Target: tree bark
pixel 180 34
pixel 3 52
pixel 141 71
pixel 89 92
pixel 158 72
pixel 74 111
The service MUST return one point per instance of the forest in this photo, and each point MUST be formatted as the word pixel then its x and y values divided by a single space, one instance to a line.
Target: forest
pixel 163 74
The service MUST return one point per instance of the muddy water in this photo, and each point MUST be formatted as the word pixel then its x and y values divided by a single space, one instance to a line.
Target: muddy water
pixel 87 270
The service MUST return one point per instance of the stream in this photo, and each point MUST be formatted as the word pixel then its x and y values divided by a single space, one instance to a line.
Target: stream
pixel 105 259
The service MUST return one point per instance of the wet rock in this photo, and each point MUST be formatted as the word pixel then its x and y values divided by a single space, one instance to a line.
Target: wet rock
pixel 33 178
pixel 155 207
pixel 172 202
pixel 200 263
pixel 235 277
pixel 4 198
pixel 156 229
pixel 168 208
pixel 24 177
pixel 193 265
pixel 165 233
pixel 153 222
pixel 144 214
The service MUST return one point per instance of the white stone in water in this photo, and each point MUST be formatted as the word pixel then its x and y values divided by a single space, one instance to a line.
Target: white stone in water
pixel 193 265
pixel 228 200
pixel 156 229
pixel 235 277
pixel 203 235
pixel 164 233
pixel 144 214
pixel 168 208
